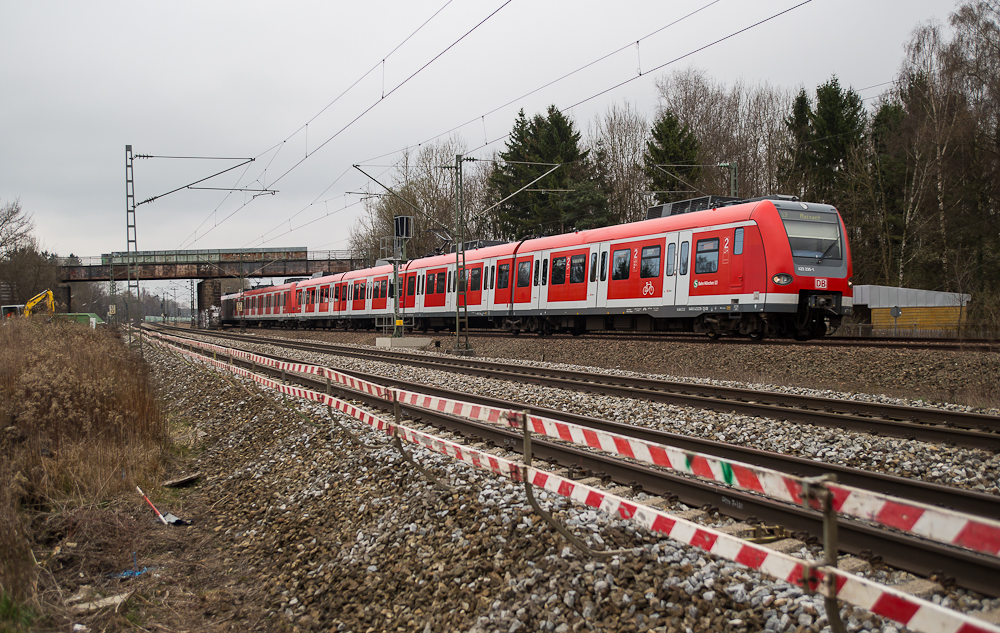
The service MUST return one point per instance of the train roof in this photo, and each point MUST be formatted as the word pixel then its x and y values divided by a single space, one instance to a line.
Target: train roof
pixel 633 230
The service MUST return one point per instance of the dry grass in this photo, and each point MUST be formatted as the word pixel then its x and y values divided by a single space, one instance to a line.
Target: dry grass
pixel 79 426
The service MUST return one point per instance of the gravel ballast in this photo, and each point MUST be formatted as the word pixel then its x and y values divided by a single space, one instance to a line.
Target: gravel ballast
pixel 342 538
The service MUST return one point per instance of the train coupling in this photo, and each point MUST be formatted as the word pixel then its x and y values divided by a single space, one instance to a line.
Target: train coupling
pixel 825 302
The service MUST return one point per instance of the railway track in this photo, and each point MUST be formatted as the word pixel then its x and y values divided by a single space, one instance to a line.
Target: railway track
pixel 973 430
pixel 967 345
pixel 967 568
pixel 942 344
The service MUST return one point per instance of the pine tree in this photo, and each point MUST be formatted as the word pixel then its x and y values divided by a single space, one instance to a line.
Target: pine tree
pixel 571 198
pixel 671 144
pixel 822 141
pixel 799 163
pixel 838 126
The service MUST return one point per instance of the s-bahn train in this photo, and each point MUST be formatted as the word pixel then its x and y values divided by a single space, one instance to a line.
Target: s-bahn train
pixel 770 266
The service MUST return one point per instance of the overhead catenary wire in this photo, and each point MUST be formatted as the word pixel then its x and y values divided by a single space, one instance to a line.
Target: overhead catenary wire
pixel 631 43
pixel 278 146
pixel 483 116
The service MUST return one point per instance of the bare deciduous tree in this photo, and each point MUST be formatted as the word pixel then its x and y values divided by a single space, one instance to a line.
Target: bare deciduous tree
pixel 424 181
pixel 617 140
pixel 742 123
pixel 15 228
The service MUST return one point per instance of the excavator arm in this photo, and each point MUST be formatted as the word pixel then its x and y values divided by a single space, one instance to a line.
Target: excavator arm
pixel 46 296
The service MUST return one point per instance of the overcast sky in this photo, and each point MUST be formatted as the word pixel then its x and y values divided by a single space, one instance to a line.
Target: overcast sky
pixel 81 80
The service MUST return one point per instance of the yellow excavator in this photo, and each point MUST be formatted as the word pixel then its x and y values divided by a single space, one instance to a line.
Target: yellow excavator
pixel 46 296
pixel 26 309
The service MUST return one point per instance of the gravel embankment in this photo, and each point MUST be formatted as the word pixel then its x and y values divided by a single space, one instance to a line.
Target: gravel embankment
pixel 971 378
pixel 968 468
pixel 341 538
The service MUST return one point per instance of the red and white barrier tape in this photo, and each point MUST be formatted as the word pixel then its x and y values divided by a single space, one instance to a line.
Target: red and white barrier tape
pixel 916 614
pixel 942 525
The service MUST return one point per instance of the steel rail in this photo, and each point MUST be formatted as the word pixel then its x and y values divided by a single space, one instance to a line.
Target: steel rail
pixel 966 568
pixel 972 430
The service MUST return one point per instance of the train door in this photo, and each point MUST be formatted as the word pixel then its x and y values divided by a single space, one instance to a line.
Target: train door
pixel 506 273
pixel 592 258
pixel 683 271
pixel 736 266
pixel 358 296
pixel 670 260
pixel 380 290
pixel 601 286
pixel 472 282
pixel 521 279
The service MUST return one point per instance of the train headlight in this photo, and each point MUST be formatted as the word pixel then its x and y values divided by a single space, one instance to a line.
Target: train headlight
pixel 850 282
pixel 782 279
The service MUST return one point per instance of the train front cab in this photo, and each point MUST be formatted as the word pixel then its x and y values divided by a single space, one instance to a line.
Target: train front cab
pixel 809 281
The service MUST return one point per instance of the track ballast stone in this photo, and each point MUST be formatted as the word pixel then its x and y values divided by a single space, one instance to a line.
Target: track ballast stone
pixel 350 539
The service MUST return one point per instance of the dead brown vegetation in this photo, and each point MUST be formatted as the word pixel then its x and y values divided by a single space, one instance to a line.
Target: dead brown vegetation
pixel 79 427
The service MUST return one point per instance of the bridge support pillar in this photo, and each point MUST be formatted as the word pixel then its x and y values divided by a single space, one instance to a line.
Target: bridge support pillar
pixel 209 303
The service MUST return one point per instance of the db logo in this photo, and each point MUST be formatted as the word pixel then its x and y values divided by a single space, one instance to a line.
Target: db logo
pixel 820 283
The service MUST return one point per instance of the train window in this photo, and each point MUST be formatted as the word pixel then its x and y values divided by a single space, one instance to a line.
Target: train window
pixel 493 276
pixel 451 281
pixel 392 290
pixel 476 279
pixel 536 271
pixel 604 266
pixel 819 237
pixel 620 267
pixel 671 251
pixel 545 271
pixel 411 283
pixel 738 242
pixel 524 274
pixel 706 258
pixel 503 277
pixel 431 278
pixel 683 268
pixel 336 293
pixel 650 266
pixel 578 269
pixel 440 282
pixel 558 270
pixel 593 267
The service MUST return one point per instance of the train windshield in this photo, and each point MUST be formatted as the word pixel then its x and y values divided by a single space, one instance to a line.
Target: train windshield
pixel 812 234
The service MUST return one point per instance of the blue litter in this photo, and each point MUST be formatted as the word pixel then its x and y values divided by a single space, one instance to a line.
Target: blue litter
pixel 132 573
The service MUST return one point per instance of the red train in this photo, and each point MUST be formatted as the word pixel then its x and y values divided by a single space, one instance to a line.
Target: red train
pixel 773 266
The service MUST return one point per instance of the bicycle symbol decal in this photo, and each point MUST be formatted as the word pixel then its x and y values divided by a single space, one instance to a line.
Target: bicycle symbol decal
pixel 648 289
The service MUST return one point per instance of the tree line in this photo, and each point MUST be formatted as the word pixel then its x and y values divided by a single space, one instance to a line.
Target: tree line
pixel 914 173
pixel 26 269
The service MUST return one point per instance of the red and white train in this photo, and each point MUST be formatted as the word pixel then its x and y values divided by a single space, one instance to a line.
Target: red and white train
pixel 776 267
